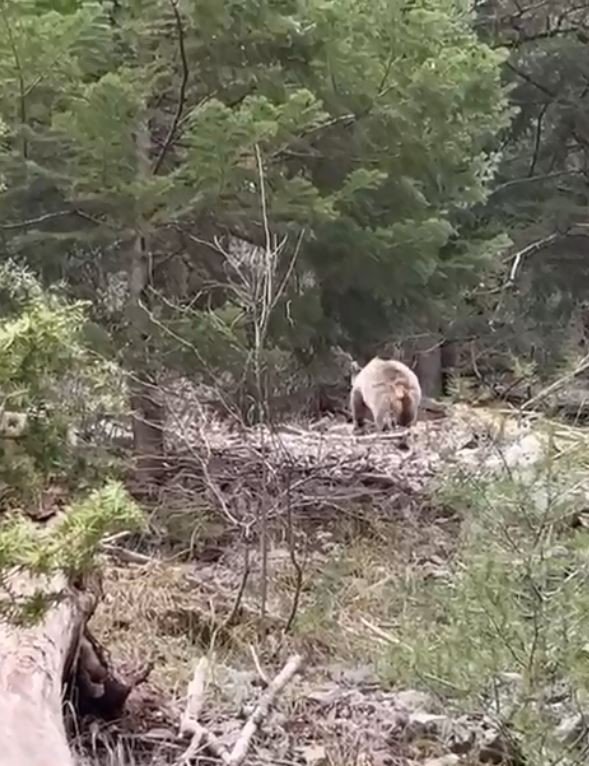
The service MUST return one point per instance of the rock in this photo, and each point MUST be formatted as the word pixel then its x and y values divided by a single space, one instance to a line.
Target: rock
pixel 360 676
pixel 572 728
pixel 423 724
pixel 487 739
pixel 326 695
pixel 513 679
pixel 461 736
pixel 556 693
pixel 414 701
pixel 313 754
pixel 444 760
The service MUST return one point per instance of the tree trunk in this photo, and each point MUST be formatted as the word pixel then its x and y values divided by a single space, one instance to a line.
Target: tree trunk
pixel 36 661
pixel 148 431
pixel 449 361
pixel 429 366
pixel 33 663
pixel 146 403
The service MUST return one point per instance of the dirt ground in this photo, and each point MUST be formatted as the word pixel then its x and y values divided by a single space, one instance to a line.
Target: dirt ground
pixel 265 543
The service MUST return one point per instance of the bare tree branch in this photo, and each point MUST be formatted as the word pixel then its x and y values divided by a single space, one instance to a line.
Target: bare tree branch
pixel 27 222
pixel 12 225
pixel 530 249
pixel 534 179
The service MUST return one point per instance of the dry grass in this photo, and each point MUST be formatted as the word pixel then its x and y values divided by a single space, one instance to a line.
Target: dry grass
pixel 168 613
pixel 149 614
pixel 414 596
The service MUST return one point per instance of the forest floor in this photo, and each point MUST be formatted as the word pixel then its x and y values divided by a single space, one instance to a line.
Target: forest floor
pixel 402 576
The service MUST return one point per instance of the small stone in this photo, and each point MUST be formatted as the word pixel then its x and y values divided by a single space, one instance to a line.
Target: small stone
pixel 444 760
pixel 160 734
pixel 362 675
pixel 515 679
pixel 460 736
pixel 414 700
pixel 326 695
pixel 313 754
pixel 557 693
pixel 571 728
pixel 426 724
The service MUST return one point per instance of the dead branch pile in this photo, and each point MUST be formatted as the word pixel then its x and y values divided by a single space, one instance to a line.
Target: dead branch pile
pixel 313 467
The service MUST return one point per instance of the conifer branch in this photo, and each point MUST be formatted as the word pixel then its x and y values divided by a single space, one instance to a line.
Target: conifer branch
pixel 182 92
pixel 27 222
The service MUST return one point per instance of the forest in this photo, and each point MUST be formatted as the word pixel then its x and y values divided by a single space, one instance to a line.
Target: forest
pixel 213 214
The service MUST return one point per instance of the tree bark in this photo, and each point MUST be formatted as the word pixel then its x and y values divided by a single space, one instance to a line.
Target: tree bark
pixel 449 362
pixel 429 366
pixel 38 661
pixel 33 663
pixel 147 407
pixel 148 430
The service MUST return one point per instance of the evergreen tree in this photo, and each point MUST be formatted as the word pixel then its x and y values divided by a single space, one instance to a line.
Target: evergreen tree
pixel 540 192
pixel 131 138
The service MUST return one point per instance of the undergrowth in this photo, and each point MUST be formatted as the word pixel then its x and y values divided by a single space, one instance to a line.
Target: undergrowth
pixel 500 622
pixel 484 604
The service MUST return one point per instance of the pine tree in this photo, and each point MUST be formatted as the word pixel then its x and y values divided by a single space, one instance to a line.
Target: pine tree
pixel 134 139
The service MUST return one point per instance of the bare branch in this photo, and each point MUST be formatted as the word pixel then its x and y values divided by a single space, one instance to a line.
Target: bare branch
pixel 27 222
pixel 535 179
pixel 34 221
pixel 537 139
pixel 196 697
pixel 581 367
pixel 242 745
pixel 546 35
pixel 260 670
pixel 297 566
pixel 232 616
pixel 530 249
pixel 518 257
pixel 190 723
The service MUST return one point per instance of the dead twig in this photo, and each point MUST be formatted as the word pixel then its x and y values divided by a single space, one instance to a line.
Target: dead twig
pixel 259 668
pixel 297 566
pixel 194 704
pixel 241 747
pixel 201 736
pixel 127 556
pixel 581 367
pixel 232 616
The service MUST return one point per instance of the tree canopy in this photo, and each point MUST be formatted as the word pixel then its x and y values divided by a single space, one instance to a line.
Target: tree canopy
pixel 375 124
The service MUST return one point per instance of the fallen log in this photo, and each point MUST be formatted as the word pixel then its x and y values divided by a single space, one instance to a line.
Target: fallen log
pixel 39 660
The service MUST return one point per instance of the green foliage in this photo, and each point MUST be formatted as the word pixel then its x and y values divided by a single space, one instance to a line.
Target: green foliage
pixel 427 102
pixel 514 599
pixel 71 543
pixel 100 124
pixel 540 188
pixel 68 547
pixel 375 125
pixel 47 380
pixel 485 601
